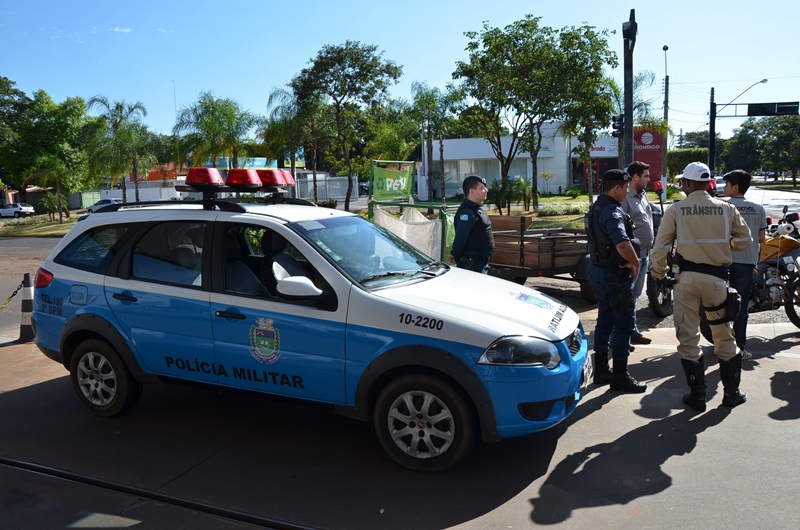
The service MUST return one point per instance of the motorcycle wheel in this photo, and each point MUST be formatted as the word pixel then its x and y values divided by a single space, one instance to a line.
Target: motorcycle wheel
pixel 793 301
pixel 659 298
pixel 705 328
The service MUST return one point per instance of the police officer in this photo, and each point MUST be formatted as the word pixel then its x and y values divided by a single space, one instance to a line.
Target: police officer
pixel 474 242
pixel 615 265
pixel 704 230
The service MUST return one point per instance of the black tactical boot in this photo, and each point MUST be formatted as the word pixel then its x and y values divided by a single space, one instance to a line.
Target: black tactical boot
pixel 622 381
pixel 602 375
pixel 696 379
pixel 730 372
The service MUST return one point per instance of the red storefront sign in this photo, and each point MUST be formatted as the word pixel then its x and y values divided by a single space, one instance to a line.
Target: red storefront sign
pixel 648 147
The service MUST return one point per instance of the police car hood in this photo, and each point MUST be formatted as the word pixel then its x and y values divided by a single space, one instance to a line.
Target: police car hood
pixel 480 301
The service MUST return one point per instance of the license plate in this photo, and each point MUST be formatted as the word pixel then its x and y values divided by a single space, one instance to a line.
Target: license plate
pixel 588 371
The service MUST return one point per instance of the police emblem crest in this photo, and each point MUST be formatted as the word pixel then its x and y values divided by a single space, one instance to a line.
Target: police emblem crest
pixel 265 341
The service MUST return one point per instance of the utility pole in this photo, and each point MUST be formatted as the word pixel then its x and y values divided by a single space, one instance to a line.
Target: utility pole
pixel 712 133
pixel 629 30
pixel 666 115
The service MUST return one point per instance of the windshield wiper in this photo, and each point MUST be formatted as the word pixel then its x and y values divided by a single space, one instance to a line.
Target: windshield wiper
pixel 389 274
pixel 440 267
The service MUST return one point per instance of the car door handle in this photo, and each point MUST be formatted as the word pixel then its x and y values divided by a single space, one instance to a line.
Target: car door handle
pixel 228 314
pixel 124 297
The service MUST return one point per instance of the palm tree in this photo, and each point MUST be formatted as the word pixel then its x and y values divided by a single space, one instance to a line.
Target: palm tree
pixel 292 124
pixel 116 145
pixel 215 127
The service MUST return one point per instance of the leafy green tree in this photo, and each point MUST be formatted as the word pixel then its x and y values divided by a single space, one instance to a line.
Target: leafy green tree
pixel 13 106
pixel 350 76
pixel 742 151
pixel 526 75
pixel 780 143
pixel 53 129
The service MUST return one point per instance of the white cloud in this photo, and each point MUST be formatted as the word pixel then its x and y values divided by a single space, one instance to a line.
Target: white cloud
pixel 162 30
pixel 120 30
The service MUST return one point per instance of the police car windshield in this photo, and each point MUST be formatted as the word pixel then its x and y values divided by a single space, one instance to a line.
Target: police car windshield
pixel 364 251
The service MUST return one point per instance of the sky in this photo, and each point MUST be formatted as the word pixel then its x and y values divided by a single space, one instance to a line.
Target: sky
pixel 166 53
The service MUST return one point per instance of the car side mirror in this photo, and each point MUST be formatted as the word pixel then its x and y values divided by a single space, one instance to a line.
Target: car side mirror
pixel 298 287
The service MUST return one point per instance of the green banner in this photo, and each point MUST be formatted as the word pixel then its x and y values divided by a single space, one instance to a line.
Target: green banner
pixel 389 184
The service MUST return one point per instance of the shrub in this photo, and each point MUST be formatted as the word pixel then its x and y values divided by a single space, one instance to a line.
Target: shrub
pixel 330 203
pixel 550 210
pixel 573 192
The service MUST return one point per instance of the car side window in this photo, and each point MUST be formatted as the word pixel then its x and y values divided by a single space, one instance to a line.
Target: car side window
pixel 257 258
pixel 95 249
pixel 170 252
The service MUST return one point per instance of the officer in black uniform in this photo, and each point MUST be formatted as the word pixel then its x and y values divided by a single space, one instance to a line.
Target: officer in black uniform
pixel 615 265
pixel 474 242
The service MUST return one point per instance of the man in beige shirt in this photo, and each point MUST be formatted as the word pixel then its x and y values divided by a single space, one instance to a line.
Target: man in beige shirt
pixel 705 230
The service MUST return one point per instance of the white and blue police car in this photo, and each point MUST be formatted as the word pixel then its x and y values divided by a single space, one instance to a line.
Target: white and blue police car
pixel 309 303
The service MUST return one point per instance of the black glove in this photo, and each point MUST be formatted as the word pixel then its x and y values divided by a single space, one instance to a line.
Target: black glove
pixel 666 282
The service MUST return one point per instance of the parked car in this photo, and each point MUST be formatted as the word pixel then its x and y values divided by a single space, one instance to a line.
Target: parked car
pixel 17 209
pixel 308 303
pixel 101 203
pixel 719 187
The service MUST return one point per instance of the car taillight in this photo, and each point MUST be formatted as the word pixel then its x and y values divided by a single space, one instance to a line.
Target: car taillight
pixel 43 278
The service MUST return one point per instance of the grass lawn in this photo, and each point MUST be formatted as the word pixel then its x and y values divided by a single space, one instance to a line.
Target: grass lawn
pixel 37 226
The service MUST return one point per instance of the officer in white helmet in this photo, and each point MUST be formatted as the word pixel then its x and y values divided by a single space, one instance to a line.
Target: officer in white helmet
pixel 705 230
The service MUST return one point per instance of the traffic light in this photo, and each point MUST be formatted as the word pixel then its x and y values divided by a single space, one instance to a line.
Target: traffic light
pixel 618 124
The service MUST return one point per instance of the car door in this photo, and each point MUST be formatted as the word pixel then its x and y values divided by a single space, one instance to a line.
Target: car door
pixel 268 344
pixel 158 298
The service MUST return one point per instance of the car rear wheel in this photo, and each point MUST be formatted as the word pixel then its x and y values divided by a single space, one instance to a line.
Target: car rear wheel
pixel 425 423
pixel 100 379
pixel 16 214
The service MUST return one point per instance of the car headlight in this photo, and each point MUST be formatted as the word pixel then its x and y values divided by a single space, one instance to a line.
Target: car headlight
pixel 521 351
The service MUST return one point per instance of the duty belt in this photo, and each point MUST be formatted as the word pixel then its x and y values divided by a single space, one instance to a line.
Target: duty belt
pixel 622 272
pixel 714 270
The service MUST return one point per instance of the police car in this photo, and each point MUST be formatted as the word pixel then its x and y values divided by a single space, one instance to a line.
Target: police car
pixel 310 303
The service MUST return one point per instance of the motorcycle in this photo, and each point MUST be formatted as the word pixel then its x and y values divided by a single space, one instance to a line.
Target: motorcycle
pixel 776 277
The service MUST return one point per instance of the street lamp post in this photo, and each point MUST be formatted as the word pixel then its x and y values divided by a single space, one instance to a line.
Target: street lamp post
pixel 712 133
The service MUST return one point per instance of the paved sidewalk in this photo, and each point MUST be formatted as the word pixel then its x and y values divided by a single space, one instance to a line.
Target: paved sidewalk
pixel 620 461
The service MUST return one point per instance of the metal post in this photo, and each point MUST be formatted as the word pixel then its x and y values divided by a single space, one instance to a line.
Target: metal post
pixel 629 30
pixel 712 133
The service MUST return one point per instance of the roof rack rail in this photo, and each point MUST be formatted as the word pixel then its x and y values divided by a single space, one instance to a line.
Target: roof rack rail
pixel 225 206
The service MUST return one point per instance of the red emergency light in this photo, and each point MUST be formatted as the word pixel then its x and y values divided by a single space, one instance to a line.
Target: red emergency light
pixel 658 185
pixel 287 176
pixel 243 179
pixel 271 177
pixel 204 178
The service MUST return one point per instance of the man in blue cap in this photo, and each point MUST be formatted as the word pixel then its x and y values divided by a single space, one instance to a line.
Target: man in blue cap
pixel 615 264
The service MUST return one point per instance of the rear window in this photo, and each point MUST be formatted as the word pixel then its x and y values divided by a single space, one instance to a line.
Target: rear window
pixel 95 249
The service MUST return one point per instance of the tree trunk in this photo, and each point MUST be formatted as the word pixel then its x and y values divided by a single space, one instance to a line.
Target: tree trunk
pixel 441 165
pixel 136 177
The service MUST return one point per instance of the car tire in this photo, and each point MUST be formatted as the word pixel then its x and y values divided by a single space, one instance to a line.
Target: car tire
pixel 100 379
pixel 16 215
pixel 437 434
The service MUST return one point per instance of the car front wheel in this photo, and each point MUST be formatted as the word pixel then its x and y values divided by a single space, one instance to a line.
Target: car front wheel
pixel 425 423
pixel 100 379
